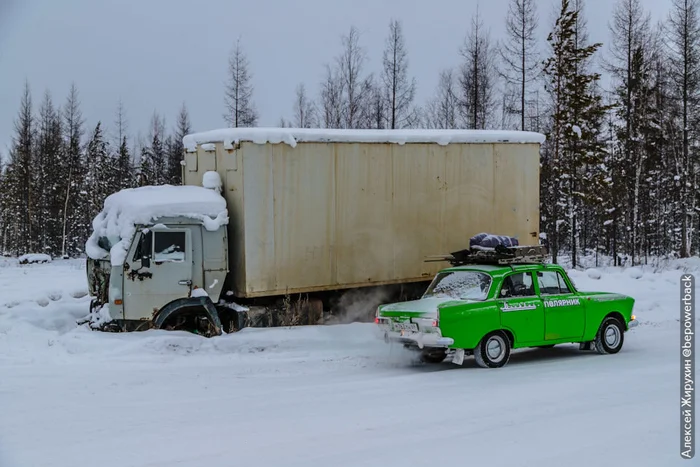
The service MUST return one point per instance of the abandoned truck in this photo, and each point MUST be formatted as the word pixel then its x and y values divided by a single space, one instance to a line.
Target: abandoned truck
pixel 301 226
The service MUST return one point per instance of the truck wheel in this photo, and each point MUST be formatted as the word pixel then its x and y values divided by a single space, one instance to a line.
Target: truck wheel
pixel 493 351
pixel 433 355
pixel 610 336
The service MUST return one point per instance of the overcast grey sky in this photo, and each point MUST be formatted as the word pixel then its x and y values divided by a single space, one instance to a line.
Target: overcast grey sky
pixel 155 54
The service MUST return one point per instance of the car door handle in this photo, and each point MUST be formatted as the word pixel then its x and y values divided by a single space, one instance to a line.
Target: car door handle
pixel 185 282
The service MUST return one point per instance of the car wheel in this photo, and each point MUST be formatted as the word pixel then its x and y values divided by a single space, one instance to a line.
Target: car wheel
pixel 493 351
pixel 433 356
pixel 610 337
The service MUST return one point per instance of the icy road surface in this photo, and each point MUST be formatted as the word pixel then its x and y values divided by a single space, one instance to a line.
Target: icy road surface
pixel 323 396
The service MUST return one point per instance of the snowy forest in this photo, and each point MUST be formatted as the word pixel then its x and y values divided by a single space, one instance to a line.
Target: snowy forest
pixel 619 169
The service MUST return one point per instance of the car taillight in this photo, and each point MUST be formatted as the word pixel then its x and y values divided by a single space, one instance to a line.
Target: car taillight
pixel 376 320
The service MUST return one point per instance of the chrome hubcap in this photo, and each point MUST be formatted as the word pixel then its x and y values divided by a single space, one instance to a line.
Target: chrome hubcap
pixel 612 336
pixel 495 348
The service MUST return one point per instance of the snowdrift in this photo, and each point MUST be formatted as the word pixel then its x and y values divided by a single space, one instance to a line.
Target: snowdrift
pixel 40 304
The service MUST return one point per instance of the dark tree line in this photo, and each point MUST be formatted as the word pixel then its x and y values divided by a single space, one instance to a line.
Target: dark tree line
pixel 619 169
pixel 58 172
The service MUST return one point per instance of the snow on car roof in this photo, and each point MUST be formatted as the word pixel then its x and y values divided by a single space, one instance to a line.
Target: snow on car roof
pixel 292 136
pixel 130 207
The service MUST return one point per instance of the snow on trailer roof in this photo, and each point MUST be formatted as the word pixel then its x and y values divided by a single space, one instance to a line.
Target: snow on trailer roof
pixel 292 136
pixel 130 207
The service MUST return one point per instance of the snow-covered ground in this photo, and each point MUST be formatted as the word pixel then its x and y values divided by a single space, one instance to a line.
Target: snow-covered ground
pixel 324 396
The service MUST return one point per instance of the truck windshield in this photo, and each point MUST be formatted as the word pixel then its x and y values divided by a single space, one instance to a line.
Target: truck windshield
pixel 460 285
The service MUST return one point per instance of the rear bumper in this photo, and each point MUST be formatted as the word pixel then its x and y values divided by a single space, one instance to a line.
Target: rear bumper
pixel 419 339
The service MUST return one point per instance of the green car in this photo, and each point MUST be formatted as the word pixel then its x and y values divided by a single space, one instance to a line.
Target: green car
pixel 488 304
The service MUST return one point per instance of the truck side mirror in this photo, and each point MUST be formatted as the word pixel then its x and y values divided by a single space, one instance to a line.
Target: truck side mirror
pixel 146 248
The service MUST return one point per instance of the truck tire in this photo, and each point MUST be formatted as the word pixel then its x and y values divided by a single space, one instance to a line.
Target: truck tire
pixel 493 351
pixel 610 337
pixel 433 355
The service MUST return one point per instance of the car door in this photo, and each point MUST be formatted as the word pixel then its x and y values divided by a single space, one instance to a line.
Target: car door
pixel 520 307
pixel 160 271
pixel 564 314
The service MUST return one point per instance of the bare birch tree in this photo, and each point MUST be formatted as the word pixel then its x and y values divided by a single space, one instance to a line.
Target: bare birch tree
pixel 356 89
pixel 442 111
pixel 332 99
pixel 305 115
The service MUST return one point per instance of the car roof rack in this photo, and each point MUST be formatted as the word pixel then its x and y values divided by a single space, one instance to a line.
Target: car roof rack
pixel 500 255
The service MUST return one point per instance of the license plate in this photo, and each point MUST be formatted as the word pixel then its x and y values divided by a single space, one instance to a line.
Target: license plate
pixel 408 327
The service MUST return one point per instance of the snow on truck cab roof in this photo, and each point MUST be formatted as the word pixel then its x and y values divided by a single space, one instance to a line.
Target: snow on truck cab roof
pixel 292 136
pixel 115 226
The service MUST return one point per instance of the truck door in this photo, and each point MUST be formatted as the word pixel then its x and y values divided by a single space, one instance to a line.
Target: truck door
pixel 161 271
pixel 564 314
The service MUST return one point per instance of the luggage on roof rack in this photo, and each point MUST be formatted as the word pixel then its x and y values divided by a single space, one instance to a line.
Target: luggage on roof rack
pixel 498 255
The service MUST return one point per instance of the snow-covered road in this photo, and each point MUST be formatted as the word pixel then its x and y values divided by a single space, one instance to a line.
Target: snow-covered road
pixel 323 396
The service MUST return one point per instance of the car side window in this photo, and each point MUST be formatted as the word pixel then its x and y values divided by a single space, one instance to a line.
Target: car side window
pixel 169 246
pixel 518 285
pixel 552 283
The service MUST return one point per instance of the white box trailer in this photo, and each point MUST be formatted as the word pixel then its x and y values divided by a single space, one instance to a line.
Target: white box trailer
pixel 318 210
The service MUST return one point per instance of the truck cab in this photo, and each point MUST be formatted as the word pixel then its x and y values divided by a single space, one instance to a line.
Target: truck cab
pixel 158 258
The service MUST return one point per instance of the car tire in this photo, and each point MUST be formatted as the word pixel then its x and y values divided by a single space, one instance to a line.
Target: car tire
pixel 610 337
pixel 433 356
pixel 493 351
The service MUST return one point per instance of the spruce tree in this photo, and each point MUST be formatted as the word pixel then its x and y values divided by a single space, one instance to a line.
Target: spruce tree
pixel 74 231
pixel 575 133
pixel 124 166
pixel 399 89
pixel 19 190
pixel 630 66
pixel 684 42
pixel 664 143
pixel 97 177
pixel 153 156
pixel 477 77
pixel 520 66
pixel 238 93
pixel 49 176
pixel 175 149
